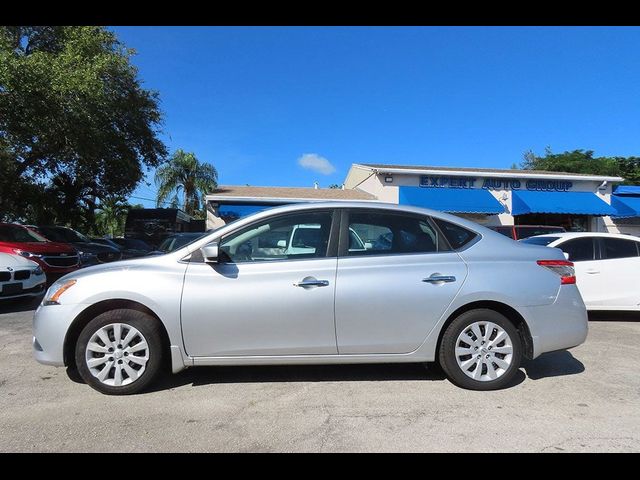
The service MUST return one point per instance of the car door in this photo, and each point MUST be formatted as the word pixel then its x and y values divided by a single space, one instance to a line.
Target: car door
pixel 619 273
pixel 584 253
pixel 260 298
pixel 390 294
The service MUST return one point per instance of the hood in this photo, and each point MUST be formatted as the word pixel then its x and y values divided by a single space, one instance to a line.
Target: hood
pixel 121 265
pixel 15 262
pixel 43 247
pixel 94 247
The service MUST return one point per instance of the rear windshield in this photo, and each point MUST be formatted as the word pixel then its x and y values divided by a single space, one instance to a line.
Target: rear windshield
pixel 11 233
pixel 540 240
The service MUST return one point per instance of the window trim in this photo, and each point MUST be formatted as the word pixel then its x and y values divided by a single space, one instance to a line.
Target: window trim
pixel 343 242
pixel 332 246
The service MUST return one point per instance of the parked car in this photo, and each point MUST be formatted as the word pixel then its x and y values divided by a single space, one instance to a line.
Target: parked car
pixel 175 241
pixel 129 247
pixel 90 253
pixel 518 232
pixel 20 277
pixel 55 258
pixel 444 289
pixel 607 267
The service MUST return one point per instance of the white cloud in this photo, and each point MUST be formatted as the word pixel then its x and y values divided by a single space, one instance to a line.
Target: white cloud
pixel 317 163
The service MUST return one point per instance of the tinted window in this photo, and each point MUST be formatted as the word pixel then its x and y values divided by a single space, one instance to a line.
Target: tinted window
pixel 456 235
pixel 579 249
pixel 287 237
pixel 11 233
pixel 619 248
pixel 540 240
pixel 392 233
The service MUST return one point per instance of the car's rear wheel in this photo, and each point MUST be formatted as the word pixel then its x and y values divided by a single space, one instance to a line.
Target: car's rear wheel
pixel 120 352
pixel 481 350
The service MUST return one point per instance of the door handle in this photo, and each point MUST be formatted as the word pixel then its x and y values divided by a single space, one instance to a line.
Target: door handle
pixel 312 282
pixel 435 278
pixel 592 272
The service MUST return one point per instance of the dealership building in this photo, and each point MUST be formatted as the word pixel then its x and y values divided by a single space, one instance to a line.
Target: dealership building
pixel 491 197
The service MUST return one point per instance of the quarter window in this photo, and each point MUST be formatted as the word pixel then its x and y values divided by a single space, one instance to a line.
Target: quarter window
pixel 389 233
pixel 287 237
pixel 457 236
pixel 579 249
pixel 619 248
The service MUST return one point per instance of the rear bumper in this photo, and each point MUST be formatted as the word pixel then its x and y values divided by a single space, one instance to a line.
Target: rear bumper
pixel 559 326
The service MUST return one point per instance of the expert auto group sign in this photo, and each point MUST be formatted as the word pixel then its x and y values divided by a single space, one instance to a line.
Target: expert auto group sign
pixel 430 181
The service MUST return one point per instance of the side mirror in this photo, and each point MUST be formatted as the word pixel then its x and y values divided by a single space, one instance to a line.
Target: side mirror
pixel 566 255
pixel 368 245
pixel 210 252
pixel 282 244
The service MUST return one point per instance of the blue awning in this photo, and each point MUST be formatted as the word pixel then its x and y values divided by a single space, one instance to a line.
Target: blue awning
pixel 576 203
pixel 452 200
pixel 627 190
pixel 626 206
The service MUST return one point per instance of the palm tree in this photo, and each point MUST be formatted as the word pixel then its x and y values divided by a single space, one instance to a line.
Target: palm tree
pixel 183 173
pixel 111 216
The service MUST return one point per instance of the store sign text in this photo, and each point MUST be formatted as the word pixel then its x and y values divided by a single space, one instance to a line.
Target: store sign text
pixel 495 183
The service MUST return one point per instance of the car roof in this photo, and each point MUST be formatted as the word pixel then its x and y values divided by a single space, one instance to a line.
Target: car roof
pixel 567 235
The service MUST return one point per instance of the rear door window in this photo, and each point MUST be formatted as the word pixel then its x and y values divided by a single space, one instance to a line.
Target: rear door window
pixel 382 232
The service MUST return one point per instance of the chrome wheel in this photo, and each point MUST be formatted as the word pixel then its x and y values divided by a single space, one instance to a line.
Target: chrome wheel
pixel 117 354
pixel 484 351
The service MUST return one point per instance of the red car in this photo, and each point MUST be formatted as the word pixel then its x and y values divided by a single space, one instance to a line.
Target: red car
pixel 54 258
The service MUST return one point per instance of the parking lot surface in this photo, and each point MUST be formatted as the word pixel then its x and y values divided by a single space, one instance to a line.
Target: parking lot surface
pixel 583 400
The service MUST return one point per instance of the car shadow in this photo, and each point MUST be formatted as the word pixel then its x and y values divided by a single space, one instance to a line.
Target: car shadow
pixel 553 364
pixel 613 316
pixel 19 305
pixel 200 376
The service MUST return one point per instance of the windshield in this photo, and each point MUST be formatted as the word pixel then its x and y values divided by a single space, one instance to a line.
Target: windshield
pixel 134 243
pixel 172 243
pixel 14 233
pixel 63 234
pixel 540 240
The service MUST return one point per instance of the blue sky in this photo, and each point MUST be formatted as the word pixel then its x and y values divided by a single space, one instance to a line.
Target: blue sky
pixel 254 100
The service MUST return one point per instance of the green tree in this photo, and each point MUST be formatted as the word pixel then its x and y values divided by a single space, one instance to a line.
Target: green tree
pixel 111 216
pixel 76 126
pixel 184 175
pixel 584 161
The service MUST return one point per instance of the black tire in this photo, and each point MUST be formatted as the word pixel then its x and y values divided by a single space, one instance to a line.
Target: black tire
pixel 148 327
pixel 447 355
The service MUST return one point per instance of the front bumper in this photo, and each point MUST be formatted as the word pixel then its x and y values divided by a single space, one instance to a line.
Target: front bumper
pixel 50 326
pixel 562 325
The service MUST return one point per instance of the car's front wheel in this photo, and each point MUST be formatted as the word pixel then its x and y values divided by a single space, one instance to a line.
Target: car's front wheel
pixel 120 352
pixel 481 350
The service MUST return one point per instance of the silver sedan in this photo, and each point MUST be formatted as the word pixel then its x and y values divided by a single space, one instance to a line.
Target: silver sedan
pixel 318 283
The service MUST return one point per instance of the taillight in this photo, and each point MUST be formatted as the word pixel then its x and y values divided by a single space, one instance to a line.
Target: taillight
pixel 564 268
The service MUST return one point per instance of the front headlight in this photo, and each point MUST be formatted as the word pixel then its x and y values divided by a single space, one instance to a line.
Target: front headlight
pixel 86 256
pixel 56 290
pixel 23 253
pixel 38 271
